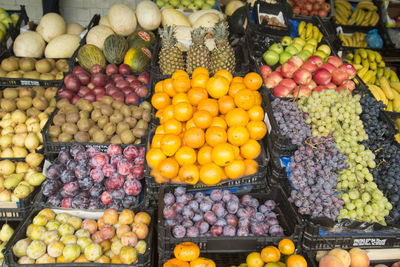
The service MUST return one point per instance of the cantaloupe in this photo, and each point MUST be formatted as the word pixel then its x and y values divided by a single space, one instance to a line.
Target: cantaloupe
pixel 148 15
pixel 97 35
pixel 74 28
pixel 29 44
pixel 172 17
pixel 122 19
pixel 104 21
pixel 62 46
pixel 50 26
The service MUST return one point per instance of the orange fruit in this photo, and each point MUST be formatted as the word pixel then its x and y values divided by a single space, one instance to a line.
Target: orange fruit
pixel 235 169
pixel 169 168
pixel 179 98
pixel 251 149
pixel 167 114
pixel 170 143
pixel 156 142
pixel 154 156
pixel 251 166
pixel 200 80
pixel 254 260
pixel 215 135
pixel 220 122
pixel 159 113
pixel 189 174
pixel 160 100
pixel 200 70
pixel 286 246
pixel 256 113
pixel 270 254
pixel 236 150
pixel 224 73
pixel 296 261
pixel 253 81
pixel 194 137
pixel 180 73
pixel 183 111
pixel 210 105
pixel 158 88
pixel 211 173
pixel 160 130
pixel 168 87
pixel 181 84
pixel 257 129
pixel 158 177
pixel 226 104
pixel 217 86
pixel 237 117
pixel 257 98
pixel 222 154
pixel 202 119
pixel 185 155
pixel 235 87
pixel 237 79
pixel 196 94
pixel 189 124
pixel 244 99
pixel 172 126
pixel 204 155
pixel 238 135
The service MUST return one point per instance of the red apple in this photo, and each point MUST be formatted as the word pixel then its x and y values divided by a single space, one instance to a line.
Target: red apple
pixel 349 84
pixel 100 96
pixel 118 96
pixel 144 77
pixel 111 90
pixel 135 84
pixel 273 79
pixel 339 76
pixel 312 1
pixel 126 90
pixel 296 10
pixel 129 78
pixel 117 77
pixel 282 91
pixel 278 69
pixel 296 60
pixel 289 83
pixel 302 76
pixel 90 96
pixel 312 84
pixel 317 60
pixel 304 12
pixel 322 76
pixel 326 7
pixel 320 88
pixel 83 91
pixel 75 99
pixel 265 71
pixel 351 71
pixel 316 6
pixel 99 90
pixel 132 98
pixel 308 6
pixel 121 83
pixel 302 90
pixel 311 66
pixel 320 1
pixel 335 61
pixel 331 85
pixel 329 67
pixel 288 69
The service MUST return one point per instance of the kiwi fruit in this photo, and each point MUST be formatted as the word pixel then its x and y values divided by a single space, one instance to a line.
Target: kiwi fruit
pixel 122 126
pixel 96 114
pixel 47 77
pixel 50 93
pixel 69 108
pixel 131 121
pixel 14 75
pixel 116 117
pixel 102 121
pixel 59 119
pixel 127 137
pixel 99 137
pixel 10 64
pixel 84 114
pixel 39 90
pixel 64 137
pixel 93 129
pixel 20 128
pixel 70 128
pixel 137 113
pixel 126 111
pixel 31 75
pixel 27 64
pixel 25 102
pixel 62 65
pixel 3 73
pixel 54 131
pixel 106 110
pixel 25 91
pixel 141 124
pixel 72 117
pixel 97 104
pixel 10 93
pixel 40 102
pixel 53 72
pixel 49 109
pixel 145 105
pixel 59 76
pixel 146 116
pixel 109 128
pixel 138 132
pixel 62 102
pixel 32 112
pixel 43 66
pixel 116 140
pixel 8 105
pixel 117 104
pixel 84 124
pixel 83 104
pixel 82 137
pixel 107 100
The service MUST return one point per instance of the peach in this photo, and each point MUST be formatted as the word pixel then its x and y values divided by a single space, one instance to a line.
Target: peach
pixel 89 225
pixel 83 242
pixel 50 237
pixel 116 260
pixel 46 258
pixel 126 217
pixel 116 247
pixel 128 255
pixel 82 233
pixel 96 237
pixel 71 252
pixel 342 254
pixel 107 232
pixel 47 213
pixel 26 260
pixel 129 239
pixel 122 230
pixel 109 254
pixel 81 259
pixel 142 217
pixel 66 229
pixel 101 223
pixel 141 230
pixel 115 238
pixel 55 249
pixel 141 247
pixel 75 221
pixel 103 259
pixel 330 261
pixel 69 239
pixel 62 217
pixel 93 252
pixel 61 259
pixel 359 258
pixel 110 216
pixel 105 245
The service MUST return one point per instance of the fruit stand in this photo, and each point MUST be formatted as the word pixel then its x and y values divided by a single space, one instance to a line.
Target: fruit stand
pixel 202 133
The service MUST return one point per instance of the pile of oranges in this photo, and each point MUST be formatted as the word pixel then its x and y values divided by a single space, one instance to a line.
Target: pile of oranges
pixel 209 127
pixel 281 256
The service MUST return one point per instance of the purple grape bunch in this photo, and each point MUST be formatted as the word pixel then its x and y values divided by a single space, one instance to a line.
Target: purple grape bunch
pixel 220 213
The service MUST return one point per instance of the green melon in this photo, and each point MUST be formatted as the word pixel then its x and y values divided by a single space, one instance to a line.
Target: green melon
pixel 89 55
pixel 141 38
pixel 137 58
pixel 115 47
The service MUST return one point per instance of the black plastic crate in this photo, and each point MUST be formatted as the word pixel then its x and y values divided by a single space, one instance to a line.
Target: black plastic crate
pixel 286 214
pixel 144 260
pixel 10 35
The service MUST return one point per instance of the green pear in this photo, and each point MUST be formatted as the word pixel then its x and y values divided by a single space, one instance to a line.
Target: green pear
pixel 13 180
pixel 36 179
pixel 14 17
pixel 6 232
pixel 5 195
pixel 22 191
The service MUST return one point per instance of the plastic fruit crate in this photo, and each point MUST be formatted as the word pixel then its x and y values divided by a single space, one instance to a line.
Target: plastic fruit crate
pixel 144 260
pixel 286 216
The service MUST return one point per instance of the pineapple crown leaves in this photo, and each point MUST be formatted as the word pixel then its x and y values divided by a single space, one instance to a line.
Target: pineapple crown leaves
pixel 198 35
pixel 167 35
pixel 221 32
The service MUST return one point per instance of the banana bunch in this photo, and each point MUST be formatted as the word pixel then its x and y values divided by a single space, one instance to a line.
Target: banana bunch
pixel 308 31
pixel 370 66
pixel 388 93
pixel 356 39
pixel 364 14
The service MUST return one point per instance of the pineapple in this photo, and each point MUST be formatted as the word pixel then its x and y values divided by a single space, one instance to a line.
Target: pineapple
pixel 170 57
pixel 223 56
pixel 198 54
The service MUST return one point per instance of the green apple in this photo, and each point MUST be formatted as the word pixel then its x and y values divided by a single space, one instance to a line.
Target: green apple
pixel 7 21
pixel 309 48
pixel 324 48
pixel 174 3
pixel 291 50
pixel 284 56
pixel 298 47
pixel 160 3
pixel 309 54
pixel 168 5
pixel 303 55
pixel 180 6
pixel 199 3
pixel 312 41
pixel 271 57
pixel 211 2
pixel 286 41
pixel 206 6
pixel 2 27
pixel 193 6
pixel 14 17
pixel 278 48
pixel 186 2
pixel 321 54
pixel 299 41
